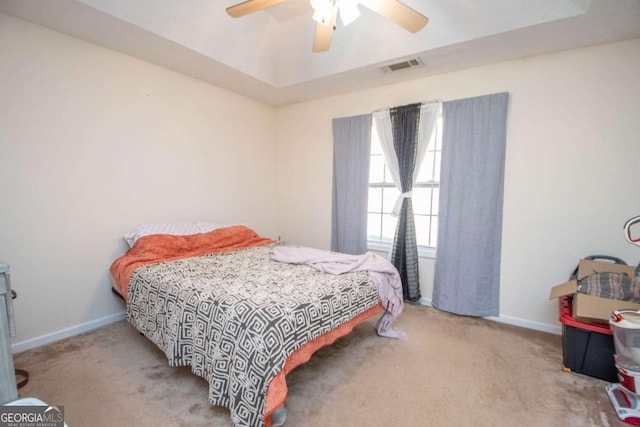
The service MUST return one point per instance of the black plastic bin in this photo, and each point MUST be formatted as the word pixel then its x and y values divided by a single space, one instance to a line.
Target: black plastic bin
pixel 587 348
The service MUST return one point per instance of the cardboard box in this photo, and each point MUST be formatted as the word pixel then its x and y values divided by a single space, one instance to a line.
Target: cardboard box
pixel 589 308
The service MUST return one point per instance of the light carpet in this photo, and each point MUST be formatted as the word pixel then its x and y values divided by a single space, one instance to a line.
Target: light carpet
pixel 452 371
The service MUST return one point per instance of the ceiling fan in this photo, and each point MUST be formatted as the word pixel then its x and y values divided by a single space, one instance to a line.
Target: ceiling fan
pixel 326 14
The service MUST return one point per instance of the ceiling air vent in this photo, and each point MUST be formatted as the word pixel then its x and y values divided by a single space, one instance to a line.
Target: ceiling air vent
pixel 411 63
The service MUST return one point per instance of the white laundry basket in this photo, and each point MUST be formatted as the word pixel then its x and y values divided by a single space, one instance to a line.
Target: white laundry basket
pixel 625 325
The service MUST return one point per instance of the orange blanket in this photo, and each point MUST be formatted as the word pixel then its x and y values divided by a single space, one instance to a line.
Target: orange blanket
pixel 163 247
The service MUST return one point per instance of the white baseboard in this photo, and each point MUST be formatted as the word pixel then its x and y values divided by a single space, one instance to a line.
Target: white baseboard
pixel 94 324
pixel 66 333
pixel 537 326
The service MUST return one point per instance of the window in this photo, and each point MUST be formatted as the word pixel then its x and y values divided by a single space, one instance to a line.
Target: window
pixel 381 226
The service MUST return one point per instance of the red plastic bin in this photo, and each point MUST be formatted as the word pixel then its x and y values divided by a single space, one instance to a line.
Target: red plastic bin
pixel 587 348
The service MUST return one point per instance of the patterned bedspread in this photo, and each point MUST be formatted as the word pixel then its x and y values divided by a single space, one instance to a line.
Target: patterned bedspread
pixel 236 317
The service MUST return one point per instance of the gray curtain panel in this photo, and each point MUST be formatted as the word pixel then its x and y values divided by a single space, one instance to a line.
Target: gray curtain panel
pixel 351 156
pixel 467 265
pixel 404 254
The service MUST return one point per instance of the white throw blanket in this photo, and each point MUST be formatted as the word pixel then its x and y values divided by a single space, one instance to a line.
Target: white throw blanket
pixel 384 275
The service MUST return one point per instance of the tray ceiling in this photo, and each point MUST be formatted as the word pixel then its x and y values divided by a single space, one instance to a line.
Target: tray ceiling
pixel 267 55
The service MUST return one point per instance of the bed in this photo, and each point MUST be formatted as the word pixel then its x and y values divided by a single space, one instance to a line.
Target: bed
pixel 241 317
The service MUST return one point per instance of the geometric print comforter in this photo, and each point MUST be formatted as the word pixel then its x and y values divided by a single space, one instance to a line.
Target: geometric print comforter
pixel 235 318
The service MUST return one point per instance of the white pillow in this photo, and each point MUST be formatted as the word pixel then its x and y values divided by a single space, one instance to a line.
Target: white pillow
pixel 173 228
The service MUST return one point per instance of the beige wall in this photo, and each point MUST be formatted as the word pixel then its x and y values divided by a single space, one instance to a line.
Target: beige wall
pixel 571 179
pixel 93 143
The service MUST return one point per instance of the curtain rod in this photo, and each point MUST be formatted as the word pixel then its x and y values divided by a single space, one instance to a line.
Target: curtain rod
pixel 435 101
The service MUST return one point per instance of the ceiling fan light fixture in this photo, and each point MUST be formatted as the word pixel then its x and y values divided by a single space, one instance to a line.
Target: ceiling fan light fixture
pixel 322 10
pixel 325 13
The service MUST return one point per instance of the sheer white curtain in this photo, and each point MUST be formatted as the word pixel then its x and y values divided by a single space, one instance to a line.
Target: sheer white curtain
pixel 429 113
pixel 404 133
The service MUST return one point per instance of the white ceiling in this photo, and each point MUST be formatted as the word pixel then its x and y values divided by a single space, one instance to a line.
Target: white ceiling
pixel 267 55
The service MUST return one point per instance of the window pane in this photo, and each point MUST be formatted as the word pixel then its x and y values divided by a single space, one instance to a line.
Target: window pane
pixel 439 134
pixel 433 241
pixel 435 201
pixel 422 172
pixel 422 229
pixel 436 171
pixel 376 169
pixel 421 201
pixel 389 197
pixel 381 226
pixel 388 179
pixel 374 222
pixel 375 200
pixel 388 227
pixel 376 148
pixel 429 162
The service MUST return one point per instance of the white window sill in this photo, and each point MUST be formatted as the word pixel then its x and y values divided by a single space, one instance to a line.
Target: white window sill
pixel 423 251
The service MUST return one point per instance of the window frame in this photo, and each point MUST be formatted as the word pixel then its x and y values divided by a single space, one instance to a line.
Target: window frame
pixel 385 246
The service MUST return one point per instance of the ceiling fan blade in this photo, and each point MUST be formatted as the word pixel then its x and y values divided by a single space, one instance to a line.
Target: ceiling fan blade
pixel 399 13
pixel 250 6
pixel 322 39
pixel 324 33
